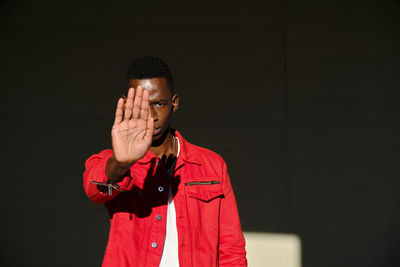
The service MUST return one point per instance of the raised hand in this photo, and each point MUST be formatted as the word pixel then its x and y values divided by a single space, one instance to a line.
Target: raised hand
pixel 133 127
pixel 131 133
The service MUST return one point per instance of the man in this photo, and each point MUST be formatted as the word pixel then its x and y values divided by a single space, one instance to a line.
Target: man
pixel 170 202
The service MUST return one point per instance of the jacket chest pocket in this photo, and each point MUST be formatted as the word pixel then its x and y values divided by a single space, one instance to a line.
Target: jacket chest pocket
pixel 203 201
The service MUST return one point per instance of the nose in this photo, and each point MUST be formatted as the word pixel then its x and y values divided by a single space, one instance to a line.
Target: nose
pixel 153 113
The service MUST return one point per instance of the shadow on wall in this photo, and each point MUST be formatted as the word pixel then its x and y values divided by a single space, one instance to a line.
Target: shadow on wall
pixel 273 250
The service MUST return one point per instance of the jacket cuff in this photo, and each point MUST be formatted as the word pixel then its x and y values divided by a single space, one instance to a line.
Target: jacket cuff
pixel 99 179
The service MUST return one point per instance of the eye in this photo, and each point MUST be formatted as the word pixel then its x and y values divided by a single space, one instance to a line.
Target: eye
pixel 159 105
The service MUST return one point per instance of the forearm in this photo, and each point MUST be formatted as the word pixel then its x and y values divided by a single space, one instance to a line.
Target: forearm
pixel 95 180
pixel 232 244
pixel 115 171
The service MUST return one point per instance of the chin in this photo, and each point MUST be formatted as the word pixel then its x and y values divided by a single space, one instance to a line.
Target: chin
pixel 158 139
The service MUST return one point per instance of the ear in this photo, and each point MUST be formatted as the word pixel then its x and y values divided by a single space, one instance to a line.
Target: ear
pixel 175 102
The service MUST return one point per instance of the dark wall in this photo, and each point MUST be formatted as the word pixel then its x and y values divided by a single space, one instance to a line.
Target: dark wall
pixel 301 98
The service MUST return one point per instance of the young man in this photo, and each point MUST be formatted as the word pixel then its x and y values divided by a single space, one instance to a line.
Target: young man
pixel 170 202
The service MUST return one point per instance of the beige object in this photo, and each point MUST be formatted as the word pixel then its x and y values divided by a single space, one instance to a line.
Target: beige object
pixel 273 250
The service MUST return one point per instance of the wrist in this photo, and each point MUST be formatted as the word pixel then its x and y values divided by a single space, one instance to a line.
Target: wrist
pixel 115 170
pixel 120 164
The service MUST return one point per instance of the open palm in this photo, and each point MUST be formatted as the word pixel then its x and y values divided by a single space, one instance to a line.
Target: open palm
pixel 133 127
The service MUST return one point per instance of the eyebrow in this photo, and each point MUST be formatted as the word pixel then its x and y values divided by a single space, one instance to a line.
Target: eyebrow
pixel 158 100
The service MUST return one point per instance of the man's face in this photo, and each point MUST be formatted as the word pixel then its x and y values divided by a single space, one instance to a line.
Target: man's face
pixel 161 103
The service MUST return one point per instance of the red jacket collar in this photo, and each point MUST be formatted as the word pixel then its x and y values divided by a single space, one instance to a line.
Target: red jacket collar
pixel 185 155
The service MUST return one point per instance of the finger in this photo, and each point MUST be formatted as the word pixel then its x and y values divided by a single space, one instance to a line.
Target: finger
pixel 149 126
pixel 144 107
pixel 129 104
pixel 137 102
pixel 119 111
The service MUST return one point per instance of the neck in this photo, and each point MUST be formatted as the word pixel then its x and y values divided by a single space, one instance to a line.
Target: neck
pixel 166 148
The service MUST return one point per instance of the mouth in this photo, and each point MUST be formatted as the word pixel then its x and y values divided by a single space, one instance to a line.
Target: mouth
pixel 156 131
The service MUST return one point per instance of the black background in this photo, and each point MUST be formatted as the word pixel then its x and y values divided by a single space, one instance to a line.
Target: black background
pixel 301 98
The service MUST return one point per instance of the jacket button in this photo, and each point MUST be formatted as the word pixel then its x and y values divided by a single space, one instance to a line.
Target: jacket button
pixel 154 245
pixel 159 217
pixel 160 189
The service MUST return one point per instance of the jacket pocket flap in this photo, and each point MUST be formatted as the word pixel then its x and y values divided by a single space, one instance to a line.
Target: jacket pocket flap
pixel 205 192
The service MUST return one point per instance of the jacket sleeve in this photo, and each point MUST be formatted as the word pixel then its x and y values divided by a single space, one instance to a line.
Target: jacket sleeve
pixel 95 171
pixel 232 243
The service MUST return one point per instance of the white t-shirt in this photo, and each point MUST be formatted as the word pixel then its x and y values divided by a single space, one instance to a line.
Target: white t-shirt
pixel 170 257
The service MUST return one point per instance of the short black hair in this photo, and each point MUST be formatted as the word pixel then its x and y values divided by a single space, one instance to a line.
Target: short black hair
pixel 149 67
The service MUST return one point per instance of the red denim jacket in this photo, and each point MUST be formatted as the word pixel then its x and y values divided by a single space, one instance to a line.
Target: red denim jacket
pixel 209 230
